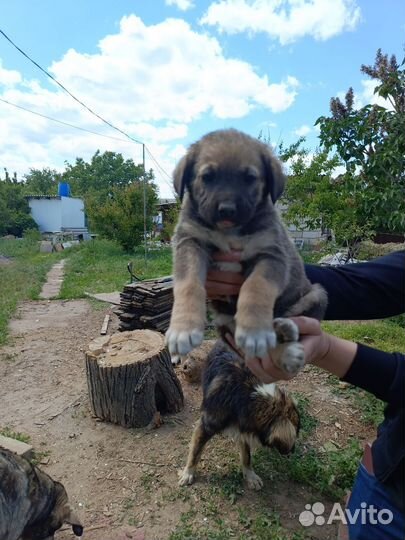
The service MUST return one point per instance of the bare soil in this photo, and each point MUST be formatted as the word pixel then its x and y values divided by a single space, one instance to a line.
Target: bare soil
pixel 124 482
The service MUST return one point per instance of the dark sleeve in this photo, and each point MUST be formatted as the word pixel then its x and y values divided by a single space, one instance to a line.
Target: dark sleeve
pixel 378 372
pixel 370 290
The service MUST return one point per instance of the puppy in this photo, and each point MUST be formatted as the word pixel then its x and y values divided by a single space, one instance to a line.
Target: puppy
pixel 235 401
pixel 32 505
pixel 229 183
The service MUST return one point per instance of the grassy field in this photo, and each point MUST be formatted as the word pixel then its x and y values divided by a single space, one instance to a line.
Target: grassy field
pixel 96 266
pixel 21 277
pixel 101 266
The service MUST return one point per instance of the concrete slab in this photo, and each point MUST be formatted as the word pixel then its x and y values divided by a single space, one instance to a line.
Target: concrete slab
pixel 18 447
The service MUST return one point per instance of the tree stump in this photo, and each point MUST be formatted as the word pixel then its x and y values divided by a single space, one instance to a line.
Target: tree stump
pixel 130 378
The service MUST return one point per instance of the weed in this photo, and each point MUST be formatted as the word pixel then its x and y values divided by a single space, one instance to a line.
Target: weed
pixel 8 432
pixel 230 485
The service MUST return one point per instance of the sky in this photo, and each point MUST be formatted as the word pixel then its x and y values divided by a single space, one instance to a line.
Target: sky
pixel 168 71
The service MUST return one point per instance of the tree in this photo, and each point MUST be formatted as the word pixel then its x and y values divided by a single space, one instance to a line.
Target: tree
pixel 102 174
pixel 313 198
pixel 112 189
pixel 42 182
pixel 15 215
pixel 371 143
pixel 121 215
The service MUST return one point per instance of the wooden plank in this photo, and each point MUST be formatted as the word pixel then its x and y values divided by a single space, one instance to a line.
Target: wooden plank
pixel 105 325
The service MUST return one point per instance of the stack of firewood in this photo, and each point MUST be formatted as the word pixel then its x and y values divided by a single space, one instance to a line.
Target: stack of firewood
pixel 146 304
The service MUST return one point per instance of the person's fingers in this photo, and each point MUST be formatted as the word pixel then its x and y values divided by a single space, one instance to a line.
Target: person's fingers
pixel 229 256
pixel 224 277
pixel 273 371
pixel 255 366
pixel 217 290
pixel 307 325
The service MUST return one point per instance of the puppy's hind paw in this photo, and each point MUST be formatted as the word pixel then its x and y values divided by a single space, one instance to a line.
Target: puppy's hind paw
pixel 181 342
pixel 253 481
pixel 186 477
pixel 286 330
pixel 293 358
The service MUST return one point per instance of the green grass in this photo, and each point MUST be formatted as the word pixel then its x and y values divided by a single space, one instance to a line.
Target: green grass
pixel 8 432
pixel 101 266
pixel 95 266
pixel 330 473
pixel 387 335
pixel 21 279
pixel 264 525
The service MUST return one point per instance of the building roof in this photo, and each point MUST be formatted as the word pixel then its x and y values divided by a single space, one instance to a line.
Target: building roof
pixel 42 197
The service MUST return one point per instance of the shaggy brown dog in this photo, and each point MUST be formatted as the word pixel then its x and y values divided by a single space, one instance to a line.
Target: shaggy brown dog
pixel 32 505
pixel 253 413
pixel 229 183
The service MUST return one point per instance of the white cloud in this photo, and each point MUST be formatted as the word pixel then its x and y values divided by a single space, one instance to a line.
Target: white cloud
pixel 151 81
pixel 184 5
pixel 366 96
pixel 9 77
pixel 285 20
pixel 302 131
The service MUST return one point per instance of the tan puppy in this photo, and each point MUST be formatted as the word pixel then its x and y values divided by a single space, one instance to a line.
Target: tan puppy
pixel 229 183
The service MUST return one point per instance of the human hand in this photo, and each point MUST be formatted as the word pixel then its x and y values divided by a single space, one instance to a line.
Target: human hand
pixel 221 282
pixel 316 345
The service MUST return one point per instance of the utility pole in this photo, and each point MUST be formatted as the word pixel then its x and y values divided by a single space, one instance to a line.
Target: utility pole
pixel 144 202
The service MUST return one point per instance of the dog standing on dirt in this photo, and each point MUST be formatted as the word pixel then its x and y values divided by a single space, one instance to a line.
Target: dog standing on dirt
pixel 229 183
pixel 32 505
pixel 237 403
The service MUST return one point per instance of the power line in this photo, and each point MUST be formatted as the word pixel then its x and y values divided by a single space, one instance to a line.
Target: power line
pixel 66 90
pixel 62 122
pixel 83 105
pixel 50 118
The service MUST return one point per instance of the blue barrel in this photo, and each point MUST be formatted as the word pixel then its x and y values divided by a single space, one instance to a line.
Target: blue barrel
pixel 63 189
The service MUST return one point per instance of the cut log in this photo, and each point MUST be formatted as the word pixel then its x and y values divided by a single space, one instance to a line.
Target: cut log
pixel 130 378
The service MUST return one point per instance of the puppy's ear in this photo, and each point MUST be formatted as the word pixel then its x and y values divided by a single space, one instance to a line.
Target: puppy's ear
pixel 63 512
pixel 183 173
pixel 275 178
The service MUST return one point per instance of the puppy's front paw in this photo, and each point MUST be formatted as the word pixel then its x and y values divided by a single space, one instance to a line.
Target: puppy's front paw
pixel 181 341
pixel 293 358
pixel 253 481
pixel 186 477
pixel 255 343
pixel 286 330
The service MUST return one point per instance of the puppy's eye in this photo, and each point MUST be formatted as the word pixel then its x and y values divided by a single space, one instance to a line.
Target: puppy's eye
pixel 208 176
pixel 250 177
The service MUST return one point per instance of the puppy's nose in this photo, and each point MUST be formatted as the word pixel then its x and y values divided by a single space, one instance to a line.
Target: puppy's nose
pixel 227 210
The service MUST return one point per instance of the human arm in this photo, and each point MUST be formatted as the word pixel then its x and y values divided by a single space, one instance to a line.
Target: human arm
pixel 377 372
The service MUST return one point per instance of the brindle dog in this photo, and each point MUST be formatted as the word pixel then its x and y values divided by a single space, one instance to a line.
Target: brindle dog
pixel 229 183
pixel 32 505
pixel 237 403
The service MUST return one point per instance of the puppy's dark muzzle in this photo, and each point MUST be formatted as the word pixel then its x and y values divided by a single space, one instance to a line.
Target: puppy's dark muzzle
pixel 226 211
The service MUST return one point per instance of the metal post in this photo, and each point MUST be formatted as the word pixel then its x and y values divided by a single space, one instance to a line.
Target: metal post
pixel 144 202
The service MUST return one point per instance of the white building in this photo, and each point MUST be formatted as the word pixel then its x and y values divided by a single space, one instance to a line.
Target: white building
pixel 58 214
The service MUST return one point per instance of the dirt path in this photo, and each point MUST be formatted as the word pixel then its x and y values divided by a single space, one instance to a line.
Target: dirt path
pixel 124 482
pixel 54 280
